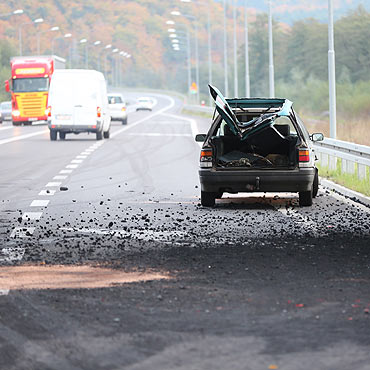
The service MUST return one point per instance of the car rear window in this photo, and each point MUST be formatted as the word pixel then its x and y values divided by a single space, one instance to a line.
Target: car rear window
pixel 115 100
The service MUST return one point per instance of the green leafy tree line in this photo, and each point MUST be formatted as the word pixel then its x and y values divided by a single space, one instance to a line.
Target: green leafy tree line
pixel 301 62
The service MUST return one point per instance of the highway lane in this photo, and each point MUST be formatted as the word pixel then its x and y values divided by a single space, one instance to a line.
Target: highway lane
pixel 132 203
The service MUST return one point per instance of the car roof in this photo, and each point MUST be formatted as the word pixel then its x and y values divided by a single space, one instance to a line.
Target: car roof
pixel 115 94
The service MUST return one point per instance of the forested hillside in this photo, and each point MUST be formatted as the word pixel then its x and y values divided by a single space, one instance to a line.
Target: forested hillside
pixel 139 28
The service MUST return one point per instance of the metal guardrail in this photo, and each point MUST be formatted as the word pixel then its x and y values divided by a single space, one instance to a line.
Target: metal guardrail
pixel 354 157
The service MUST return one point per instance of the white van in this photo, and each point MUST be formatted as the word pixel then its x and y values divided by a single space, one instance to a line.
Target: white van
pixel 77 103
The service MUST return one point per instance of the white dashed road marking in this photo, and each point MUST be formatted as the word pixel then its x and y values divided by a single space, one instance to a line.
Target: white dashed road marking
pixel 31 216
pixel 66 171
pixel 53 184
pixel 58 177
pixel 21 232
pixel 72 166
pixel 39 203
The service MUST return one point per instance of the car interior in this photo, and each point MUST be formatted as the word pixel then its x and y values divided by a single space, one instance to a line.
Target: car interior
pixel 272 146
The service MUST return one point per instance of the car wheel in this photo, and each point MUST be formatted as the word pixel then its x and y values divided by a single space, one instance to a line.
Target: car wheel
pixel 305 198
pixel 53 135
pixel 315 189
pixel 106 134
pixel 207 199
pixel 99 135
pixel 62 135
pixel 124 121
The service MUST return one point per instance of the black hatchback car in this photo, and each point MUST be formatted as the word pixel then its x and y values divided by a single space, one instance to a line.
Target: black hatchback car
pixel 255 145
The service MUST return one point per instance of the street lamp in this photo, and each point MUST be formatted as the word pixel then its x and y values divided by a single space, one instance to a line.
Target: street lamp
pixel 247 77
pixel 177 13
pixel 67 35
pixel 271 55
pixel 235 52
pixel 52 29
pixel 107 47
pixel 84 41
pixel 188 53
pixel 15 12
pixel 331 66
pixel 36 21
pixel 226 78
pixel 210 75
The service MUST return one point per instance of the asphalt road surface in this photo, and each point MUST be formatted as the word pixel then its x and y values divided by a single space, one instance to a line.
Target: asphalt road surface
pixel 108 261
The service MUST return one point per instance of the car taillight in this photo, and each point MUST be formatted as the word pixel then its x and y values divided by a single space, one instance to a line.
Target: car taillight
pixel 206 157
pixel 98 111
pixel 48 111
pixel 304 155
pixel 123 109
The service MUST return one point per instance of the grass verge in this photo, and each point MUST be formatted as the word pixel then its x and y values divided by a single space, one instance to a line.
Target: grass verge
pixel 348 180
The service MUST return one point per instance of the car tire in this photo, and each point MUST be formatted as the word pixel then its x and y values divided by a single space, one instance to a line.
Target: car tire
pixel 124 121
pixel 53 135
pixel 106 134
pixel 207 199
pixel 315 187
pixel 99 135
pixel 62 135
pixel 305 198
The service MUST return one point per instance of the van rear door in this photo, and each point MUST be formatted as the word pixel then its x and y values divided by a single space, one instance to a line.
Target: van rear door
pixel 85 103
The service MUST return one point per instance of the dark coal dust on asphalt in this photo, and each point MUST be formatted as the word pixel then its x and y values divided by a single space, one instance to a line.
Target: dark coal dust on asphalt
pixel 108 261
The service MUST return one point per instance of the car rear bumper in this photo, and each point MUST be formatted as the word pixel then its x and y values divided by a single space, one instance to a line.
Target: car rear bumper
pixel 72 128
pixel 118 115
pixel 234 181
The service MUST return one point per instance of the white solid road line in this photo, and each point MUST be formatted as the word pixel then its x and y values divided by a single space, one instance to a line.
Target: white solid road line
pixel 193 124
pixel 27 216
pixel 22 137
pixel 39 203
pixel 6 128
pixel 161 111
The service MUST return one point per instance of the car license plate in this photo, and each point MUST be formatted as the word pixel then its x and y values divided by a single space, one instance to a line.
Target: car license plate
pixel 63 116
pixel 32 119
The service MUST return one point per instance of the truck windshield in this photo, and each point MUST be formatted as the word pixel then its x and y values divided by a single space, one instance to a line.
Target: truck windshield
pixel 30 84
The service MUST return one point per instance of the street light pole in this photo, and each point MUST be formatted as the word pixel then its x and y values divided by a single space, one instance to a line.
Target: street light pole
pixel 225 53
pixel 331 65
pixel 271 55
pixel 38 20
pixel 247 77
pixel 235 52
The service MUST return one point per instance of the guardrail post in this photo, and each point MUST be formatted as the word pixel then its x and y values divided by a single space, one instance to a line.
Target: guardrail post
pixel 324 159
pixel 344 165
pixel 332 163
pixel 361 171
pixel 350 167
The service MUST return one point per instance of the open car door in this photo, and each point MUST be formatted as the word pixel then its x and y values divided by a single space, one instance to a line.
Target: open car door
pixel 225 111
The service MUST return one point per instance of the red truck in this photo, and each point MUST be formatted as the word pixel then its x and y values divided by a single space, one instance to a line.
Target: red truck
pixel 29 86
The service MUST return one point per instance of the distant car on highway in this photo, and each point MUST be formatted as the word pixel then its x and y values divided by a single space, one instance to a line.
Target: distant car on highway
pixel 5 111
pixel 144 104
pixel 257 145
pixel 78 102
pixel 117 108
